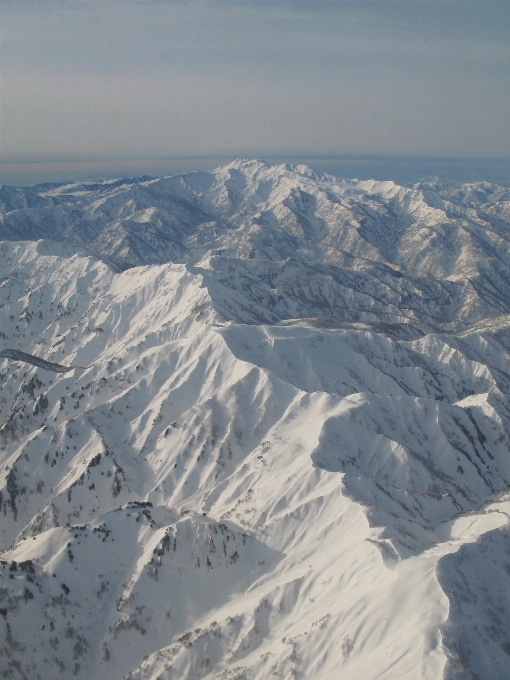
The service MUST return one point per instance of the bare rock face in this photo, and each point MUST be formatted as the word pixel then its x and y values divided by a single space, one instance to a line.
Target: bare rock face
pixel 254 423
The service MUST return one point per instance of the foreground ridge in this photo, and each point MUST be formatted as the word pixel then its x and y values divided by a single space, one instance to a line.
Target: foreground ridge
pixel 280 442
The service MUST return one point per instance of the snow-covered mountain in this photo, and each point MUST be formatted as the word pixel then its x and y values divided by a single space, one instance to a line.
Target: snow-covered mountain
pixel 255 423
pixel 286 243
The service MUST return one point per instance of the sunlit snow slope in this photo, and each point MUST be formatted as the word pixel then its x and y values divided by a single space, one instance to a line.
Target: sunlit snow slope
pixel 254 423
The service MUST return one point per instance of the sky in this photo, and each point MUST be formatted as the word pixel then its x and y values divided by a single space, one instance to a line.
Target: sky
pixel 98 87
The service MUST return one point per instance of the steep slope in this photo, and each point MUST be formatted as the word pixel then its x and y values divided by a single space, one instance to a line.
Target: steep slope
pixel 188 490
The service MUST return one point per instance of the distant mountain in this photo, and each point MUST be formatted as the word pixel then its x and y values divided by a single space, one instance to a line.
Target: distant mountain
pixel 254 423
pixel 285 242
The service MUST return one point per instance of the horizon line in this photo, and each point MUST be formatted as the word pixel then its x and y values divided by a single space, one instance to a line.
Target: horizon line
pixel 401 169
pixel 260 156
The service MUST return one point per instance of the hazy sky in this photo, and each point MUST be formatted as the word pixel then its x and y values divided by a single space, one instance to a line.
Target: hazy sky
pixel 107 81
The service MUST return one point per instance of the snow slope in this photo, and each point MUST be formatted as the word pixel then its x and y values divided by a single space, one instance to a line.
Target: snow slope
pixel 254 463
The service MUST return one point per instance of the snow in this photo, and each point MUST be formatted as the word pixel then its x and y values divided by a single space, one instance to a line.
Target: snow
pixel 254 467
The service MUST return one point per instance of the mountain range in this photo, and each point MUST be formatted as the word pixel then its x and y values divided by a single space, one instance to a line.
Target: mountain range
pixel 255 423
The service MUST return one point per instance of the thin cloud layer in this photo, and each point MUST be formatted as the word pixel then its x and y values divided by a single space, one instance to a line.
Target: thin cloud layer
pixel 150 79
